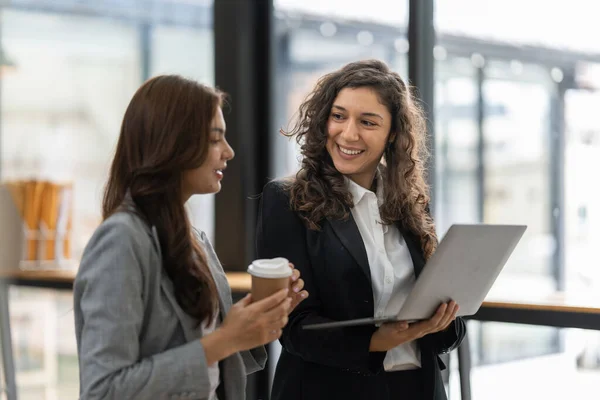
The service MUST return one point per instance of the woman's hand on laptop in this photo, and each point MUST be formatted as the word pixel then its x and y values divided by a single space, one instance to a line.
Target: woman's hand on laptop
pixel 394 334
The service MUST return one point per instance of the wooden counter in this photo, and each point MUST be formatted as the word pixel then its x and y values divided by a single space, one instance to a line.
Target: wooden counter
pixel 63 279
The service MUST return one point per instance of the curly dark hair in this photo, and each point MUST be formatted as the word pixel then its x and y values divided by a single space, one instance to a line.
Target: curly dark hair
pixel 319 191
pixel 165 131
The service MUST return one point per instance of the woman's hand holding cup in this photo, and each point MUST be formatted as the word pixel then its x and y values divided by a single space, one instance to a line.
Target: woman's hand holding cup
pixel 250 324
pixel 297 284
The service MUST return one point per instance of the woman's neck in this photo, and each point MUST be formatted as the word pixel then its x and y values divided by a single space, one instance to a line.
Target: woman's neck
pixel 365 180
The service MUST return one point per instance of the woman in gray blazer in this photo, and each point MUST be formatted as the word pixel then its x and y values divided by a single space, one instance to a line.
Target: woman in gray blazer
pixel 153 310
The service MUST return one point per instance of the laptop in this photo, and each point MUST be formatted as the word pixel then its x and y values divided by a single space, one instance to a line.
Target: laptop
pixel 463 268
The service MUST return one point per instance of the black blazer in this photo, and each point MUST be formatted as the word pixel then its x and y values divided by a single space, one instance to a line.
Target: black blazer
pixel 336 363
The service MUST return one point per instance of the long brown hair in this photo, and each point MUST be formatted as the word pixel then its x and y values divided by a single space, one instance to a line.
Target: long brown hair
pixel 319 191
pixel 165 131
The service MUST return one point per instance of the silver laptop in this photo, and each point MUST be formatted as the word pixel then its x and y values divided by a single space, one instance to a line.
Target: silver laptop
pixel 463 268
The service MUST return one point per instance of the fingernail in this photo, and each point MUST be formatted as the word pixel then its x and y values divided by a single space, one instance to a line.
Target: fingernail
pixel 303 295
pixel 296 289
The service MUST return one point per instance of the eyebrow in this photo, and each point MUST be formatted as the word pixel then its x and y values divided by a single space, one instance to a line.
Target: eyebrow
pixel 366 114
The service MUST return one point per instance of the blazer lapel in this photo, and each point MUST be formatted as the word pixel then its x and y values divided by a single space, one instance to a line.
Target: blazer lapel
pixel 348 233
pixel 218 274
pixel 191 330
pixel 224 292
pixel 414 247
pixel 190 327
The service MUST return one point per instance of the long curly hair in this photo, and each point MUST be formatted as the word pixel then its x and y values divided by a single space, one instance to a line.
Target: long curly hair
pixel 165 131
pixel 319 191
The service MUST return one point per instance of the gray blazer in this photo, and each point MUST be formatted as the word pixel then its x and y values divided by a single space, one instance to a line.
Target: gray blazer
pixel 133 339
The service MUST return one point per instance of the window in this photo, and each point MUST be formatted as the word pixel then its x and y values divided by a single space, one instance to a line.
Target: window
pixel 66 80
pixel 63 101
pixel 457 141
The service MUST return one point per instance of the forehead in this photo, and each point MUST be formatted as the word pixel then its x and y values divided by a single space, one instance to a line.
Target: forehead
pixel 361 99
pixel 218 119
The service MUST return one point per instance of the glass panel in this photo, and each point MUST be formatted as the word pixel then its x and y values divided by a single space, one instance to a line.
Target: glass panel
pixel 517 168
pixel 582 209
pixel 46 364
pixel 62 103
pixel 185 51
pixel 517 190
pixel 512 21
pixel 582 198
pixel 378 11
pixel 522 109
pixel 456 141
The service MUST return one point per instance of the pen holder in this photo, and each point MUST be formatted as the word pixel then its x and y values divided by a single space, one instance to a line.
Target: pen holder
pixel 45 249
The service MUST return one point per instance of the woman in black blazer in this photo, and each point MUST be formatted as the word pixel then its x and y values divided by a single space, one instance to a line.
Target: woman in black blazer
pixel 355 222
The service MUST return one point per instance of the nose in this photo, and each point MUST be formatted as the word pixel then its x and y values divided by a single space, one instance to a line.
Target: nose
pixel 350 131
pixel 228 154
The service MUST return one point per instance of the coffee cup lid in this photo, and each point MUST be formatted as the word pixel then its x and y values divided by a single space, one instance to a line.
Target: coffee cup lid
pixel 270 268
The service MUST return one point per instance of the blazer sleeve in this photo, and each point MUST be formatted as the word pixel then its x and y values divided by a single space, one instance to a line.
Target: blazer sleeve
pixel 281 233
pixel 449 339
pixel 109 298
pixel 254 360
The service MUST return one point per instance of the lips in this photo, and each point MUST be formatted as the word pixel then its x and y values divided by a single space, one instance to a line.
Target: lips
pixel 349 151
pixel 219 172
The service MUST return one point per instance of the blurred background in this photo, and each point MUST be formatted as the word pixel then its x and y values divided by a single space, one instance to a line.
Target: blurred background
pixel 516 139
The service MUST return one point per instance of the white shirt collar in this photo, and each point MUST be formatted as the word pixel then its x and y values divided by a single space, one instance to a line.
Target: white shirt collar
pixel 358 192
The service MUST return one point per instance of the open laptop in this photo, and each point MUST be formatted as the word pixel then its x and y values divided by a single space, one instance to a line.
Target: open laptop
pixel 463 268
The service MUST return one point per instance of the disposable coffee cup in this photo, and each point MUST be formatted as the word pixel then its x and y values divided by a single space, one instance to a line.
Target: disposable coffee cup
pixel 269 276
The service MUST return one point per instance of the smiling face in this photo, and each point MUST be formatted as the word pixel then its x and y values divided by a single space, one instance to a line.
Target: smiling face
pixel 207 178
pixel 358 130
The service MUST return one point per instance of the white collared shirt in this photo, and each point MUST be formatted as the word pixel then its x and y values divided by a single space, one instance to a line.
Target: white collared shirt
pixel 392 272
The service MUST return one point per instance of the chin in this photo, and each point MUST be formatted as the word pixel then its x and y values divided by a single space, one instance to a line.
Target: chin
pixel 212 189
pixel 343 168
pixel 215 188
